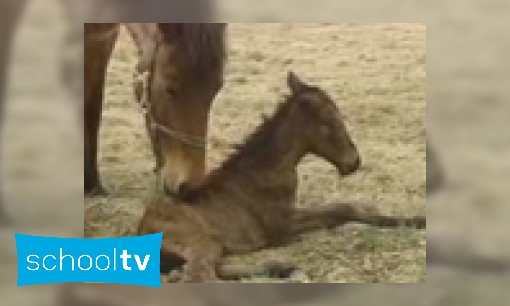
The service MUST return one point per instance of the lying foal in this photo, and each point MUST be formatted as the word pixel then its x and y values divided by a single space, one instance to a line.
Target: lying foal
pixel 248 202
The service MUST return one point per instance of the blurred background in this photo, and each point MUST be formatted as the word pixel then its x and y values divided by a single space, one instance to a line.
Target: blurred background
pixel 467 117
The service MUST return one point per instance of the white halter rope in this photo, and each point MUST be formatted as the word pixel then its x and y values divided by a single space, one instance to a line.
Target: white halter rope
pixel 141 87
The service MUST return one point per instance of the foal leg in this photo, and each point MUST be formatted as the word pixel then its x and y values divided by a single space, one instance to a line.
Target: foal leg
pixel 202 264
pixel 334 215
pixel 276 269
pixel 201 254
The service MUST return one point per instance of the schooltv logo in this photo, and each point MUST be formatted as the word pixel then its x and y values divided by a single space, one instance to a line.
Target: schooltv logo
pixel 127 260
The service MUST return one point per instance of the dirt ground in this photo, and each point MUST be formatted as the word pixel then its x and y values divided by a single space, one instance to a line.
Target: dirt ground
pixel 376 73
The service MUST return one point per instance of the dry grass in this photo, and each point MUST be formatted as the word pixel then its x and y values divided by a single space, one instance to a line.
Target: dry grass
pixel 375 72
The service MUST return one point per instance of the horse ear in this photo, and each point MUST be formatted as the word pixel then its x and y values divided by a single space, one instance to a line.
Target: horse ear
pixel 294 82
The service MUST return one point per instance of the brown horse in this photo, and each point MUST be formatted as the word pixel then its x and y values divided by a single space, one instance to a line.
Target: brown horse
pixel 185 64
pixel 195 44
pixel 248 202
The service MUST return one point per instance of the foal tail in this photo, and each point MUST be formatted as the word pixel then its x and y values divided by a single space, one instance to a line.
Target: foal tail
pixel 333 215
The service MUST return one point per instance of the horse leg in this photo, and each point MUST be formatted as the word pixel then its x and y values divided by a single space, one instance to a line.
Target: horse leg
pixel 99 42
pixel 10 14
pixel 334 215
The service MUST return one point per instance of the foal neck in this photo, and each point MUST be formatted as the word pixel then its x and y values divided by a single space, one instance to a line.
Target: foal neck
pixel 266 164
pixel 271 155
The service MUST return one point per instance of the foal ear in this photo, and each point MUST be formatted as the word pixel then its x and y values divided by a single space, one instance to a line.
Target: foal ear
pixel 294 82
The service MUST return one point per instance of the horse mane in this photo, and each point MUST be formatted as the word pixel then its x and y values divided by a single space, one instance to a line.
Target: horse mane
pixel 252 143
pixel 200 46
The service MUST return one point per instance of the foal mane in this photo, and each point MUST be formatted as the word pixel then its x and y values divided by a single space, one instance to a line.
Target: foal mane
pixel 252 143
pixel 201 46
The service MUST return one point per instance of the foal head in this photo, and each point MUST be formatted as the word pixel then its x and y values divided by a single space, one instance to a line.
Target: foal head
pixel 322 126
pixel 186 75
